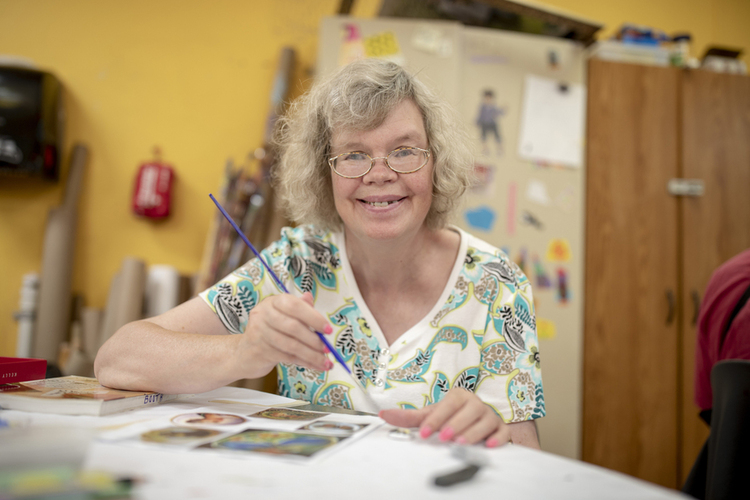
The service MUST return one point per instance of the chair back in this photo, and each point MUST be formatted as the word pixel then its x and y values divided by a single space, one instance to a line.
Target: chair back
pixel 728 474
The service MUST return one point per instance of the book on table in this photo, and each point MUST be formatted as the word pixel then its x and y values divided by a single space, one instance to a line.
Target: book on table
pixel 21 369
pixel 73 395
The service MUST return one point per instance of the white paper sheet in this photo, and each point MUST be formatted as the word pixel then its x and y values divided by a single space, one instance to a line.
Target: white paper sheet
pixel 552 122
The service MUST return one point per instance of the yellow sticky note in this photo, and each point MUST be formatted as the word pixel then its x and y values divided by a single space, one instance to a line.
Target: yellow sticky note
pixel 545 329
pixel 558 250
pixel 381 45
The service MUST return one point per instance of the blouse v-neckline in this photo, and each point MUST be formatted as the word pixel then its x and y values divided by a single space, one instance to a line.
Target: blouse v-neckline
pixel 414 330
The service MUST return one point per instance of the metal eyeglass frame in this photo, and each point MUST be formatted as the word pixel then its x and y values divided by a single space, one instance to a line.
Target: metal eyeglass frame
pixel 427 152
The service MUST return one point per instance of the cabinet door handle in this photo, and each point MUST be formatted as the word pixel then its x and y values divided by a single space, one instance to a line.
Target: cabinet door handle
pixel 670 303
pixel 696 306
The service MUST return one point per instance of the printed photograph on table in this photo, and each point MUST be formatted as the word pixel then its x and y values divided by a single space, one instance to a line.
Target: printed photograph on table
pixel 274 443
pixel 287 414
pixel 208 419
pixel 178 436
pixel 340 429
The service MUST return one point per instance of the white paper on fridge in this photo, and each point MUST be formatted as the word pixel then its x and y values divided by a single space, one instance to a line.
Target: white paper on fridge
pixel 552 122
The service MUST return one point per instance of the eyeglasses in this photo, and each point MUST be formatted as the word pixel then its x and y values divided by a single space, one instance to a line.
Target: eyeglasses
pixel 402 160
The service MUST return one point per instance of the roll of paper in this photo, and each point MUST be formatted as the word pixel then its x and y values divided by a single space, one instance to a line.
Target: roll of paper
pixel 127 301
pixel 91 321
pixel 133 284
pixel 26 315
pixel 53 317
pixel 108 326
pixel 162 290
pixel 77 362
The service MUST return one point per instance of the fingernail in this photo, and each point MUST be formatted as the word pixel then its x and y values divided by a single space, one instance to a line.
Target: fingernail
pixel 425 431
pixel 461 440
pixel 326 349
pixel 492 443
pixel 329 364
pixel 328 329
pixel 446 434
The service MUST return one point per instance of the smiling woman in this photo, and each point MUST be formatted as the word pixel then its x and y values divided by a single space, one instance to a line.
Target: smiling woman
pixel 436 326
pixel 359 98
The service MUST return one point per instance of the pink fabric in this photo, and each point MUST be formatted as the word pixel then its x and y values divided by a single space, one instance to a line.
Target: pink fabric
pixel 724 290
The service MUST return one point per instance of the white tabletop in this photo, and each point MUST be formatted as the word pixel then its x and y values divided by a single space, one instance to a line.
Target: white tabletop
pixel 376 466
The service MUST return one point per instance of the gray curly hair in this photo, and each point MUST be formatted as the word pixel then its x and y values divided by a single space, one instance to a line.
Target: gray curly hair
pixel 359 97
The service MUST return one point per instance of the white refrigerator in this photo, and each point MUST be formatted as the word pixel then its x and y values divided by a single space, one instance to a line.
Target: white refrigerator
pixel 522 98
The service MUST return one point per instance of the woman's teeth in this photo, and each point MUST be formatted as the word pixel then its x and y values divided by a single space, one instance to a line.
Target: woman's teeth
pixel 381 203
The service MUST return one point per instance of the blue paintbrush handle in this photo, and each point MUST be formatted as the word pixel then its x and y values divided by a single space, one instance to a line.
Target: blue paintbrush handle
pixel 276 278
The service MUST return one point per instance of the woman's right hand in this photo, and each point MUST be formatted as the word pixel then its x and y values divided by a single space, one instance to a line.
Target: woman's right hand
pixel 279 331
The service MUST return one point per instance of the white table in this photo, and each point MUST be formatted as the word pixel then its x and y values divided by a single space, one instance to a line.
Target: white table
pixel 374 467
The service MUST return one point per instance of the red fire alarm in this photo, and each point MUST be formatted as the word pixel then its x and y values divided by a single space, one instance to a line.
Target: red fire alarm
pixel 153 188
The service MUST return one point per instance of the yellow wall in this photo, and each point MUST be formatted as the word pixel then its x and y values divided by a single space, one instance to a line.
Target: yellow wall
pixel 711 22
pixel 194 78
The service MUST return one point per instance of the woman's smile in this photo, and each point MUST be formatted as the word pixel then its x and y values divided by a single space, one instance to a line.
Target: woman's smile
pixel 382 202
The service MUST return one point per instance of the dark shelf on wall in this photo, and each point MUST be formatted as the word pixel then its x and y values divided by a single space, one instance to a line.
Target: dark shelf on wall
pixel 498 14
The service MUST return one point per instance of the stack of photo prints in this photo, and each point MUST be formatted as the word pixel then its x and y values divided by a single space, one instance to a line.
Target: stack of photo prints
pixel 282 432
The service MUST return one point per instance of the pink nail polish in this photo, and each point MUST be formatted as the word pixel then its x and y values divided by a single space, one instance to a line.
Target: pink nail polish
pixel 326 350
pixel 492 443
pixel 425 431
pixel 446 434
pixel 329 364
pixel 461 440
pixel 328 329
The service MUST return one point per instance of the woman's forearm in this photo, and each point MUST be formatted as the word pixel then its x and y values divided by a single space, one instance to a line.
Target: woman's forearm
pixel 145 356
pixel 524 433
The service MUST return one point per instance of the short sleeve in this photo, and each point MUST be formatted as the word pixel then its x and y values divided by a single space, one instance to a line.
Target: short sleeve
pixel 235 295
pixel 510 355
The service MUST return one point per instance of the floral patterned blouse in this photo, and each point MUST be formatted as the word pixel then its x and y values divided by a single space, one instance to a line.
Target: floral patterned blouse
pixel 480 335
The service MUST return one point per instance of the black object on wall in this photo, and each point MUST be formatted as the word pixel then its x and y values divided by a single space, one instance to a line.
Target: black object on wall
pixel 30 123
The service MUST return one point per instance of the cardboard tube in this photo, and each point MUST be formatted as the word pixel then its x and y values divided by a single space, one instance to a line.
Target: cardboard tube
pixel 133 283
pixel 125 301
pixel 53 316
pixel 91 321
pixel 26 315
pixel 77 362
pixel 162 290
pixel 108 326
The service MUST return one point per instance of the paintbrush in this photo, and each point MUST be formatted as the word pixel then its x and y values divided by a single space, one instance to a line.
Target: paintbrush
pixel 284 289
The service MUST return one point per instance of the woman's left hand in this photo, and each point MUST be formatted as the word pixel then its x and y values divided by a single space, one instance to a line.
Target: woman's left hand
pixel 460 416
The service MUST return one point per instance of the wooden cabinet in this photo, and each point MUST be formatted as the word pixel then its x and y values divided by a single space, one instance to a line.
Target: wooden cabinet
pixel 649 254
